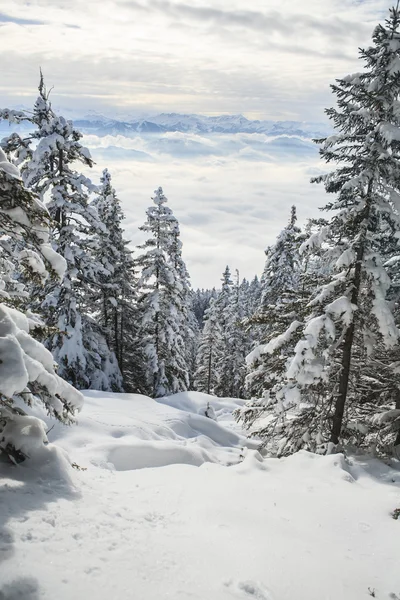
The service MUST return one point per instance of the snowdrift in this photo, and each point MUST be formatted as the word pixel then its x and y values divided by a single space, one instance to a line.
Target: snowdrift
pixel 125 432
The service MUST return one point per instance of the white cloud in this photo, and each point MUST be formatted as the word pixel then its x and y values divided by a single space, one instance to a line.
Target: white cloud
pixel 274 58
pixel 230 206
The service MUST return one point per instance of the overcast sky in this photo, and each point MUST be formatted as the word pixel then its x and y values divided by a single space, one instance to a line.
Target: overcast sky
pixel 271 59
pixel 262 58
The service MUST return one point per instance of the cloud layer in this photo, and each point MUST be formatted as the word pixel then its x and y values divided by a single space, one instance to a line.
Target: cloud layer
pixel 231 193
pixel 271 58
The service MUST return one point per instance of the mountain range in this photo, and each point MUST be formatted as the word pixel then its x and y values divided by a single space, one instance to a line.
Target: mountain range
pixel 174 122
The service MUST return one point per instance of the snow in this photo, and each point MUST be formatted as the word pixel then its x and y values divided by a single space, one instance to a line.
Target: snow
pixel 25 433
pixel 8 168
pixel 24 360
pixel 282 339
pixel 57 262
pixel 389 132
pixel 172 504
pixel 341 308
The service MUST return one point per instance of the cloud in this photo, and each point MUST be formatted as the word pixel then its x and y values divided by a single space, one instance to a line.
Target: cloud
pixel 272 58
pixel 266 22
pixel 19 21
pixel 229 206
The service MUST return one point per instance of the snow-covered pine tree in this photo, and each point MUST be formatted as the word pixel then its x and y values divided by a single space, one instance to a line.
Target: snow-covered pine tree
pixel 189 325
pixel 238 339
pixel 281 271
pixel 116 291
pixel 77 343
pixel 209 352
pixel 280 304
pixel 162 307
pixel 27 370
pixel 221 307
pixel 373 421
pixel 253 296
pixel 201 301
pixel 351 311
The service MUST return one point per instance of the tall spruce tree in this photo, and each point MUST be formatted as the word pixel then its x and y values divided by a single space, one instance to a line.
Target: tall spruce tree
pixel 161 305
pixel 116 290
pixel 200 302
pixel 351 319
pixel 188 322
pixel 221 308
pixel 238 339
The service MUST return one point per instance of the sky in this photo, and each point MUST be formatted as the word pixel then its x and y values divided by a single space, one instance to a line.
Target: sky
pixel 266 59
pixel 263 58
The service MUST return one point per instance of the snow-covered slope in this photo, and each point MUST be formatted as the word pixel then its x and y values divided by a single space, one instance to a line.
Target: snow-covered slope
pixel 172 504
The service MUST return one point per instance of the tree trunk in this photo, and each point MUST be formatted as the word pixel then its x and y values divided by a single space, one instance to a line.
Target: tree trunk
pixel 105 317
pixel 209 371
pixel 343 385
pixel 116 340
pixel 120 358
pixel 397 440
pixel 349 336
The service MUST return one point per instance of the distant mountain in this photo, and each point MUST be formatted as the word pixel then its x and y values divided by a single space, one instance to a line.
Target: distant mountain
pixel 174 122
pixel 100 125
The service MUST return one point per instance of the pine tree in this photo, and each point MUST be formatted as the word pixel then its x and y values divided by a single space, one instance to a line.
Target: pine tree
pixel 351 320
pixel 27 369
pixel 221 307
pixel 209 352
pixel 238 339
pixel 116 291
pixel 253 296
pixel 200 302
pixel 188 324
pixel 48 169
pixel 161 305
pixel 280 303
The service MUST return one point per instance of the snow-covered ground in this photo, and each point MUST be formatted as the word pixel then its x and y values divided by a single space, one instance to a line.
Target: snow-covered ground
pixel 173 504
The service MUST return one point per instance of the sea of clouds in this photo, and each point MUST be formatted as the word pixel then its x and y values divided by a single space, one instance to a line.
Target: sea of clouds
pixel 232 193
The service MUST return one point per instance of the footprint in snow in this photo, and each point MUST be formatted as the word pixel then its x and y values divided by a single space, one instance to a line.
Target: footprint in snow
pixel 249 590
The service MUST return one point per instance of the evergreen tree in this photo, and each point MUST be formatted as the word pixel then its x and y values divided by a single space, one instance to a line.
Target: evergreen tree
pixel 200 302
pixel 162 308
pixel 27 369
pixel 188 323
pixel 209 352
pixel 280 303
pixel 253 296
pixel 221 307
pixel 351 319
pixel 224 344
pixel 48 169
pixel 116 291
pixel 238 339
